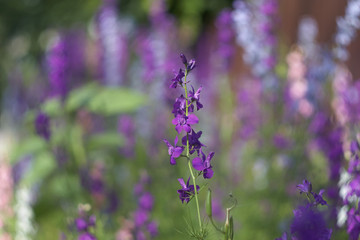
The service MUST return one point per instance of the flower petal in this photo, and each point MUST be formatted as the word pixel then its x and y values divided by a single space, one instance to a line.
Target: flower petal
pixel 177 152
pixel 172 160
pixel 208 173
pixel 192 119
pixel 179 128
pixel 198 164
pixel 182 183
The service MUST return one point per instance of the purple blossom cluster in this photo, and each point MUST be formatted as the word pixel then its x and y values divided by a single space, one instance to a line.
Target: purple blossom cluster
pixel 184 119
pixel 308 222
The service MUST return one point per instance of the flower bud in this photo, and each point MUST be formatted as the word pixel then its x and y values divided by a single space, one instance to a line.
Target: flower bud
pixel 183 59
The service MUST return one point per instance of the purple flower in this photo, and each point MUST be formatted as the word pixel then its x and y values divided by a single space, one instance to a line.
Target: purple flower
pixel 152 228
pixel 353 224
pixel 189 65
pixel 194 143
pixel 183 122
pixel 187 190
pixel 306 187
pixel 183 59
pixel 42 125
pixel 174 151
pixel 177 80
pixel 309 224
pixel 318 198
pixel 86 236
pixel 203 164
pixel 141 216
pixel 195 97
pixel 146 201
pixel 81 224
pixel 179 106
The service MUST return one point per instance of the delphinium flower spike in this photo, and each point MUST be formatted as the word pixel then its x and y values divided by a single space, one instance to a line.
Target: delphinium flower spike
pixel 184 120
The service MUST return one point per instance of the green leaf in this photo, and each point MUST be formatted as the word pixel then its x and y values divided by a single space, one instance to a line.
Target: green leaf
pixel 52 107
pixel 42 166
pixel 112 101
pixel 31 145
pixel 108 139
pixel 80 96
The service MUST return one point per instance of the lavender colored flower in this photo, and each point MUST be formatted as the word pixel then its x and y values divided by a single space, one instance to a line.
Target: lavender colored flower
pixel 81 224
pixel 195 97
pixel 194 143
pixel 42 125
pixel 179 106
pixel 203 164
pixel 306 187
pixel 146 201
pixel 152 228
pixel 177 80
pixel 187 190
pixel 309 224
pixel 174 151
pixel 183 122
pixel 141 216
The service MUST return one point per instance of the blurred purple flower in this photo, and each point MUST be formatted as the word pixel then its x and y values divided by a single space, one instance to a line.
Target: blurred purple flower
pixel 309 224
pixel 305 187
pixel 141 216
pixel 146 201
pixel 152 228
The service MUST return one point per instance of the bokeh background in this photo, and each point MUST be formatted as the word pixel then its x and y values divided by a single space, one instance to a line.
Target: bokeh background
pixel 86 104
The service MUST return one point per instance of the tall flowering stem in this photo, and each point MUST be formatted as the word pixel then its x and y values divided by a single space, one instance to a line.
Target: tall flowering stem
pixel 183 110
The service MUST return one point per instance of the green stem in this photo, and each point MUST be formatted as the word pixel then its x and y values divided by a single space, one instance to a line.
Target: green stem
pixel 188 153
